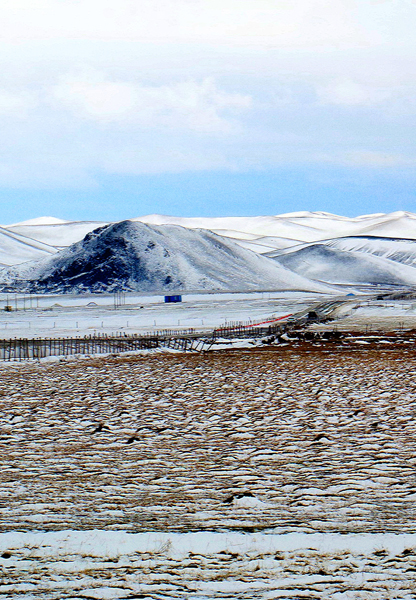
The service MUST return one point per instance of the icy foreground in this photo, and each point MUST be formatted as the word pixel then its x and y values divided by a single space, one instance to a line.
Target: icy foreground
pixel 107 564
pixel 273 474
pixel 79 315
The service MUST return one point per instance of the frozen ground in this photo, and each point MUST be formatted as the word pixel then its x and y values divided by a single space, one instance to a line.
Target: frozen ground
pixel 79 315
pixel 105 564
pixel 59 316
pixel 281 473
pixel 372 316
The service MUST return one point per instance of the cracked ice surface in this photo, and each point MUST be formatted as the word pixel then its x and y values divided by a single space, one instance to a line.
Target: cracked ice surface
pixel 284 473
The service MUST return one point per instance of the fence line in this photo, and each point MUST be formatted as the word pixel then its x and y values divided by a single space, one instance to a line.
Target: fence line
pixel 24 349
pixel 18 349
pixel 182 339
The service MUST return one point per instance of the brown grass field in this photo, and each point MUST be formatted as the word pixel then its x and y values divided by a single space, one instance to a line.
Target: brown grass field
pixel 299 438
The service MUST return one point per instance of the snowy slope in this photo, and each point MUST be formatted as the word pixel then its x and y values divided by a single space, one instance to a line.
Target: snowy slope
pixel 59 235
pixel 16 249
pixel 330 264
pixel 39 221
pixel 265 232
pixel 258 243
pixel 395 249
pixel 303 226
pixel 398 224
pixel 260 226
pixel 399 250
pixel 135 256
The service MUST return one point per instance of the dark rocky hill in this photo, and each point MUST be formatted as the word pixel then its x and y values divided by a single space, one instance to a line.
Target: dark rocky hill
pixel 139 257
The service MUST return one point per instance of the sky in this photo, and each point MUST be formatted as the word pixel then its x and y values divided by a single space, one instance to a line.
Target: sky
pixel 111 109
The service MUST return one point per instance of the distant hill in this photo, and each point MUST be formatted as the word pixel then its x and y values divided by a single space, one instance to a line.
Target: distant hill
pixel 139 257
pixel 369 250
pixel 353 260
pixel 16 248
pixel 260 234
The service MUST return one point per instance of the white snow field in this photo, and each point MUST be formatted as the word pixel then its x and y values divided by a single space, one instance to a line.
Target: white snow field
pixel 72 315
pixel 209 565
pixel 16 249
pixel 276 473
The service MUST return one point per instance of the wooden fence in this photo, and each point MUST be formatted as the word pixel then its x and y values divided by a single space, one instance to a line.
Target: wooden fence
pixel 183 339
pixel 247 330
pixel 24 349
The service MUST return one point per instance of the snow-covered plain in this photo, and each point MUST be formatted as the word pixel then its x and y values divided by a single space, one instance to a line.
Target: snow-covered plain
pixel 73 315
pixel 285 473
pixel 209 565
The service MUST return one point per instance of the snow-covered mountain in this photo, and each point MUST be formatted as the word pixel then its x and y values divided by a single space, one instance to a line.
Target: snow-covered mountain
pixel 59 234
pixel 135 256
pixel 356 259
pixel 301 226
pixel 16 248
pixel 398 250
pixel 265 233
pixel 347 250
pixel 325 263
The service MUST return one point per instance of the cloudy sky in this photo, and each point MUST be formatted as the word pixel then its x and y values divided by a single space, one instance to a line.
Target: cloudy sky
pixel 112 109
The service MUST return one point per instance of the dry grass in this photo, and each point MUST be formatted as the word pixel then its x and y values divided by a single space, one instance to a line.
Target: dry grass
pixel 322 437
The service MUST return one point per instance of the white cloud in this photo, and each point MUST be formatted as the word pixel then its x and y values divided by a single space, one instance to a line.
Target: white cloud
pixel 350 93
pixel 377 159
pixel 190 105
pixel 279 23
pixel 97 98
pixel 93 87
pixel 16 103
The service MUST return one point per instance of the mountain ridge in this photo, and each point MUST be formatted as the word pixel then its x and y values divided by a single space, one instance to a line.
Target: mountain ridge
pixel 361 245
pixel 134 256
